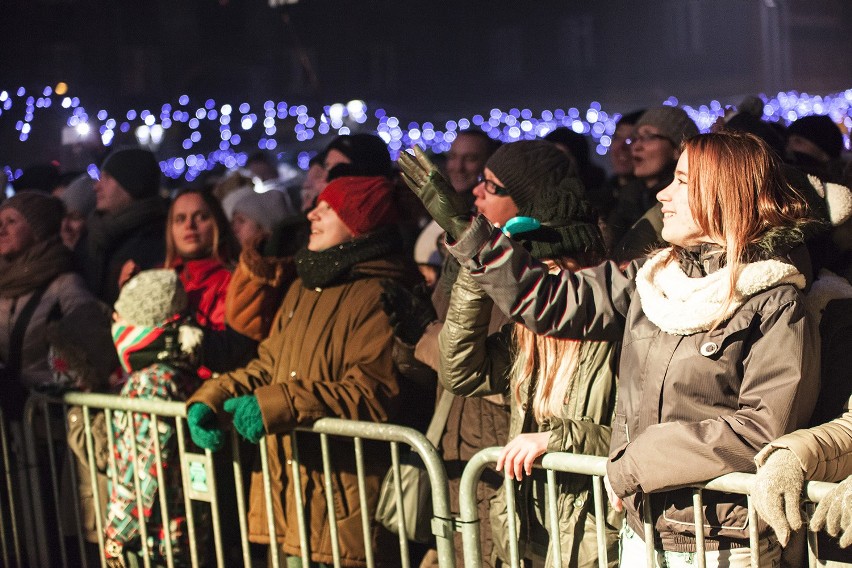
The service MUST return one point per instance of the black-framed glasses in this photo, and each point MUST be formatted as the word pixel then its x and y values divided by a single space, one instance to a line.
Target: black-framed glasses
pixel 492 187
pixel 646 137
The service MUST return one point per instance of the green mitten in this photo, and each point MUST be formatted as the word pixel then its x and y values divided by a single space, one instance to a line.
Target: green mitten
pixel 777 493
pixel 247 417
pixel 834 513
pixel 447 207
pixel 203 428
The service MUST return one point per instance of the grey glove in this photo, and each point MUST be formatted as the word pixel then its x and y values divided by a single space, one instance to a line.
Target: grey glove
pixel 448 208
pixel 777 493
pixel 834 513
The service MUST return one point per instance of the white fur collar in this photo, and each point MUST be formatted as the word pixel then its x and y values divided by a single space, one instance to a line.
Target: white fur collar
pixel 681 305
pixel 827 287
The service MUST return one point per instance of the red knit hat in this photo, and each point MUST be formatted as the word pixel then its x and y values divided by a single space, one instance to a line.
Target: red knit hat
pixel 362 203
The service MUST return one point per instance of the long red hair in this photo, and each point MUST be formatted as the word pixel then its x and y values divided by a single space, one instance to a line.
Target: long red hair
pixel 739 197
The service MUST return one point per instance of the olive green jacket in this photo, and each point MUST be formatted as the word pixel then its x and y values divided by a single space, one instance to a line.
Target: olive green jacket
pixel 476 364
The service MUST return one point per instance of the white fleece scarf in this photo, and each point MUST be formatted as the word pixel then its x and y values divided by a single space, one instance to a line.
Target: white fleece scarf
pixel 681 305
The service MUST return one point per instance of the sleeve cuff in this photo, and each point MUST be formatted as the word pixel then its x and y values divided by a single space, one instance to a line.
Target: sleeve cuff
pixel 275 408
pixel 472 240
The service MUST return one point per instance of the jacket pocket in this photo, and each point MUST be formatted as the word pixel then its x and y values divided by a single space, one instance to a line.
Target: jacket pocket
pixel 724 514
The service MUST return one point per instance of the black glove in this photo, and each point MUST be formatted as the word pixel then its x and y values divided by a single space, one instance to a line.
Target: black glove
pixel 409 312
pixel 446 206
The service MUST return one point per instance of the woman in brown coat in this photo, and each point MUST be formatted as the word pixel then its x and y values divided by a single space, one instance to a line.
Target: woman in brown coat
pixel 328 355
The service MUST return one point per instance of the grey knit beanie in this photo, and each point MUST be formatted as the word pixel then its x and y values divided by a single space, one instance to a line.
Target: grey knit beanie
pixel 43 212
pixel 151 298
pixel 526 167
pixel 568 223
pixel 672 122
pixel 267 209
pixel 79 196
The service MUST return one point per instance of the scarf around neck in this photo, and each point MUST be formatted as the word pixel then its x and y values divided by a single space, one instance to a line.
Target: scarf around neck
pixel 681 305
pixel 38 265
pixel 107 231
pixel 333 265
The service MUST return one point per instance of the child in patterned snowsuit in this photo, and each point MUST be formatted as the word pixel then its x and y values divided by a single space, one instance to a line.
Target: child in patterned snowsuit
pixel 157 347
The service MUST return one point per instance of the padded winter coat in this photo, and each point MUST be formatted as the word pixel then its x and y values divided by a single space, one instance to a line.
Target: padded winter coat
pixel 691 406
pixel 328 354
pixel 476 364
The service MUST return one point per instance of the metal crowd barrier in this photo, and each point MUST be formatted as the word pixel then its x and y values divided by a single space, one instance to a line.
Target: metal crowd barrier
pixel 26 529
pixel 595 467
pixel 32 504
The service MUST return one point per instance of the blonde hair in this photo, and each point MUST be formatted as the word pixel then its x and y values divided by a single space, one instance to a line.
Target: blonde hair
pixel 548 362
pixel 739 198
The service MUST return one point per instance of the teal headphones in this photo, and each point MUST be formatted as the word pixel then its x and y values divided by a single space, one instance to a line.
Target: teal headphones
pixel 518 225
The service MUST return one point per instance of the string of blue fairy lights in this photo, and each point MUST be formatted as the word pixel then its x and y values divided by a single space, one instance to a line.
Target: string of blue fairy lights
pixel 211 132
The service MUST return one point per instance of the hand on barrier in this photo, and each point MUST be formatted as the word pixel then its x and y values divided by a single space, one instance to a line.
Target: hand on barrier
pixel 517 457
pixel 834 513
pixel 777 493
pixel 247 417
pixel 409 313
pixel 203 428
pixel 614 499
pixel 446 206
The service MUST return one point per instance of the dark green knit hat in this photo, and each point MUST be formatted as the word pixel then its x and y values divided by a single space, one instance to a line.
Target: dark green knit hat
pixel 568 223
pixel 527 167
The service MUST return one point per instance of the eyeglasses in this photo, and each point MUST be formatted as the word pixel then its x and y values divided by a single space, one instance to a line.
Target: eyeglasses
pixel 645 138
pixel 491 187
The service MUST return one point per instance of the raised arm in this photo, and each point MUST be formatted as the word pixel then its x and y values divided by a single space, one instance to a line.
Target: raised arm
pixel 587 304
pixel 473 363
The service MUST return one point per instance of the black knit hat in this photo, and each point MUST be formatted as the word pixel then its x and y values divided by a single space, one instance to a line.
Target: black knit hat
pixel 820 130
pixel 526 167
pixel 368 152
pixel 568 223
pixel 38 177
pixel 136 169
pixel 43 212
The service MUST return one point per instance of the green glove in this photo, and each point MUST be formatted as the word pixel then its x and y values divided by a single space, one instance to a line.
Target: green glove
pixel 834 513
pixel 409 312
pixel 203 428
pixel 247 417
pixel 446 206
pixel 777 493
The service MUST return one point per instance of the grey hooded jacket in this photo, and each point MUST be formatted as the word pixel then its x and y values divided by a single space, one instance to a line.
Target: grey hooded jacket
pixel 687 411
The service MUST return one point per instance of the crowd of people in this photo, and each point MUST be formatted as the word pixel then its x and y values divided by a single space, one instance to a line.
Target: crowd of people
pixel 686 316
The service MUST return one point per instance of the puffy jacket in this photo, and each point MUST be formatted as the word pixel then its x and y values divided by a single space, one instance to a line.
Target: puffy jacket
pixel 825 450
pixel 707 401
pixel 473 423
pixel 257 287
pixel 475 364
pixel 328 355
